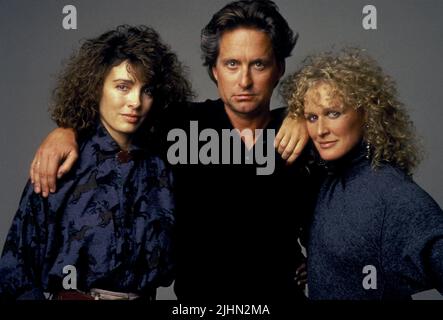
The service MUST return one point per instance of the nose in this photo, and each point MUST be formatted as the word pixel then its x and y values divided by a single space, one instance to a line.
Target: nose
pixel 134 99
pixel 245 78
pixel 322 127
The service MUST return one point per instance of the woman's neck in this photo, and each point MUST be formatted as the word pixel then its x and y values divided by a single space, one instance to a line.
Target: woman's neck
pixel 123 140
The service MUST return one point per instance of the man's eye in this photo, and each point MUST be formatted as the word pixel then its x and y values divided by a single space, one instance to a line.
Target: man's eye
pixel 259 65
pixel 334 114
pixel 231 64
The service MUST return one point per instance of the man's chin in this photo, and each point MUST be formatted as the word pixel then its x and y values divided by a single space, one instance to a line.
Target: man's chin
pixel 245 108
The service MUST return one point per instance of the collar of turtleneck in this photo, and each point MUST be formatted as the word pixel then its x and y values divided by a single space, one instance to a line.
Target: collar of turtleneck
pixel 354 159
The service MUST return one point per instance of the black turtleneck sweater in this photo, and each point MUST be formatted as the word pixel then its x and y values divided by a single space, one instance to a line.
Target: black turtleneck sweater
pixel 377 218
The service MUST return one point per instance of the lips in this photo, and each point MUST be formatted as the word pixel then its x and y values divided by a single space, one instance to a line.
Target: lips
pixel 131 118
pixel 327 144
pixel 244 96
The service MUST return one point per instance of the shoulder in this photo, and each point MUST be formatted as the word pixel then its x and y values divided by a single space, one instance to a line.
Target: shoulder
pixel 156 165
pixel 279 112
pixel 81 172
pixel 88 153
pixel 193 107
pixel 402 195
pixel 178 115
pixel 394 182
pixel 206 108
pixel 381 179
pixel 201 105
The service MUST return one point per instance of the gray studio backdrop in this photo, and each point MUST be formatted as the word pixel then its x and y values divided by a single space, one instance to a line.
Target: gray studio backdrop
pixel 408 43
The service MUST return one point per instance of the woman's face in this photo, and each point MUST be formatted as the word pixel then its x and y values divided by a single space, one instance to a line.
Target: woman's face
pixel 333 127
pixel 124 104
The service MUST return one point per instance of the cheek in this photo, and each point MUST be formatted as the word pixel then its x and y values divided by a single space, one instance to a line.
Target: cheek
pixel 103 106
pixel 311 130
pixel 110 101
pixel 225 88
pixel 147 104
pixel 352 131
pixel 227 80
pixel 268 81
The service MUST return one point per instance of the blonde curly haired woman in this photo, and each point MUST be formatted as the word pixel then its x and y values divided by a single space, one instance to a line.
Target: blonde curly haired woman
pixel 375 233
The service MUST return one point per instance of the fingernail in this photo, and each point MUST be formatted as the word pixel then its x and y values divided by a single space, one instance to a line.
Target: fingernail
pixel 52 190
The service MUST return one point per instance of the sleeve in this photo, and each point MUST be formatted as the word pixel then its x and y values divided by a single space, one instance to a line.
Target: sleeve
pixel 435 257
pixel 413 238
pixel 22 257
pixel 310 179
pixel 161 234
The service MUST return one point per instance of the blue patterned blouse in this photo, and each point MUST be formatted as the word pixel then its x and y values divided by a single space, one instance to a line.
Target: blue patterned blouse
pixel 111 219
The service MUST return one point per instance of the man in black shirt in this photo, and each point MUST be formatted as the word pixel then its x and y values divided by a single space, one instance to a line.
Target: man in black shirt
pixel 237 236
pixel 238 240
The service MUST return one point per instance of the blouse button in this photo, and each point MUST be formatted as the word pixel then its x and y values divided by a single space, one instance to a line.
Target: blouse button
pixel 124 156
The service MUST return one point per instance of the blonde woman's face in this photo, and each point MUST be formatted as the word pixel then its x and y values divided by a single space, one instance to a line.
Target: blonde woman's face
pixel 124 104
pixel 333 127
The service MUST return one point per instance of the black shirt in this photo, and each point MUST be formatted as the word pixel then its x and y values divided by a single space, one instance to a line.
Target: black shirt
pixel 237 231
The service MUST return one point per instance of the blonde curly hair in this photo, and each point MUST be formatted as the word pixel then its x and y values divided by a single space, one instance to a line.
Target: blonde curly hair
pixel 362 84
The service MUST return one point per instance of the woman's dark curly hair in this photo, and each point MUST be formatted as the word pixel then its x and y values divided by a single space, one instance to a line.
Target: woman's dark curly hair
pixel 79 88
pixel 362 84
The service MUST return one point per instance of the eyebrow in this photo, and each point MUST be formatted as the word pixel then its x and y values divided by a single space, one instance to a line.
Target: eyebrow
pixel 261 60
pixel 258 59
pixel 334 108
pixel 124 80
pixel 326 109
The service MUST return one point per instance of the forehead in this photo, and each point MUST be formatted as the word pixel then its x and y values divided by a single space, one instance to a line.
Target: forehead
pixel 244 41
pixel 323 94
pixel 126 70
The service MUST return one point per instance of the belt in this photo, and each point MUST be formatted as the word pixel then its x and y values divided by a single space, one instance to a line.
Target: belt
pixel 97 294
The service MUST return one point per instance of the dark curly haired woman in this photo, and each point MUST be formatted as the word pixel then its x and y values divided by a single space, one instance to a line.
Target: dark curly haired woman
pixel 106 233
pixel 375 233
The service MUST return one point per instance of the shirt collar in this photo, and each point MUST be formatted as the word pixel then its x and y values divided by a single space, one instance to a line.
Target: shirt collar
pixel 106 143
pixel 276 117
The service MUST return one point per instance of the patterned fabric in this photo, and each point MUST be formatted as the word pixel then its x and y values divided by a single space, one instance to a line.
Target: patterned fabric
pixel 111 218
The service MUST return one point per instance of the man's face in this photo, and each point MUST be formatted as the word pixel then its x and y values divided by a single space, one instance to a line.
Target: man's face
pixel 246 71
